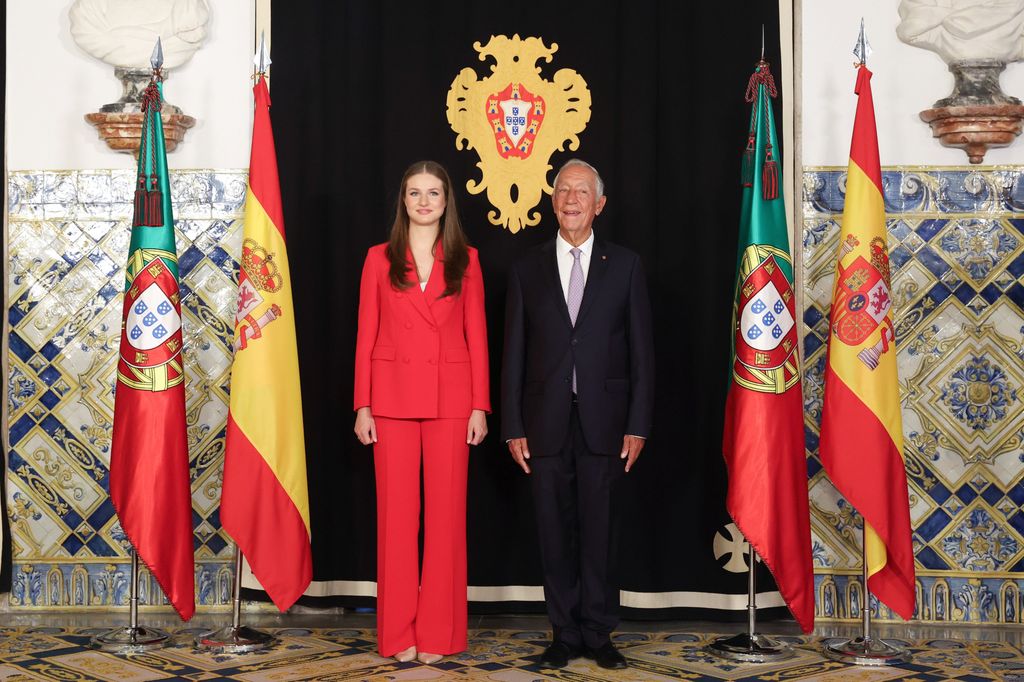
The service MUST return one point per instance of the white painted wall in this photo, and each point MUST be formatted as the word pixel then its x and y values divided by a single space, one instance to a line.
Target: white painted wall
pixel 52 84
pixel 906 80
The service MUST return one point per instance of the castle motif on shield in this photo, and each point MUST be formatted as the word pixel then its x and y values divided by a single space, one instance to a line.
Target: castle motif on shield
pixel 765 317
pixel 151 340
pixel 515 115
pixel 862 301
pixel 258 272
pixel 515 120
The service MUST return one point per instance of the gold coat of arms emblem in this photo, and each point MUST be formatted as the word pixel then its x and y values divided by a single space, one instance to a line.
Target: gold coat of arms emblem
pixel 515 120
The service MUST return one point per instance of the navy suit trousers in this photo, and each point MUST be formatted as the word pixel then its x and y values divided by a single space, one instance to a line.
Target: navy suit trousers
pixel 574 493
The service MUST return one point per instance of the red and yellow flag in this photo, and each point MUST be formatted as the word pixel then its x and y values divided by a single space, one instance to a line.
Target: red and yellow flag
pixel 265 504
pixel 861 429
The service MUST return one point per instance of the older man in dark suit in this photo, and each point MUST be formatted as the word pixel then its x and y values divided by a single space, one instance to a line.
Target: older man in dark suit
pixel 577 399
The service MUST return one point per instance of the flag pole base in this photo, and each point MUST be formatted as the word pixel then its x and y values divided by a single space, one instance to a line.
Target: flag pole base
pixel 235 640
pixel 870 651
pixel 131 640
pixel 747 648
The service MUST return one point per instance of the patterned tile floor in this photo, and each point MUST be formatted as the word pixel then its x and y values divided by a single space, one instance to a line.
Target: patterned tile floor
pixel 502 654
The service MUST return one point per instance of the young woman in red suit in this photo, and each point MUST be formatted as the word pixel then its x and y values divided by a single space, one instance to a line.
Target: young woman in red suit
pixel 421 391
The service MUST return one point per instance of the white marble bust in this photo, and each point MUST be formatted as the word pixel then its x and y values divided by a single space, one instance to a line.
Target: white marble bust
pixel 959 30
pixel 123 32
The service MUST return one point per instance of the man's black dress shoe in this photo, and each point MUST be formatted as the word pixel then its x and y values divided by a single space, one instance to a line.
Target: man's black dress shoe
pixel 607 656
pixel 557 655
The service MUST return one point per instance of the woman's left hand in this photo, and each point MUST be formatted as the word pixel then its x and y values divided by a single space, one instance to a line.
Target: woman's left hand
pixel 477 428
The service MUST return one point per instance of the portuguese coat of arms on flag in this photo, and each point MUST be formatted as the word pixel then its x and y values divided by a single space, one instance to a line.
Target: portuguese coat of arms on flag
pixel 149 465
pixel 763 440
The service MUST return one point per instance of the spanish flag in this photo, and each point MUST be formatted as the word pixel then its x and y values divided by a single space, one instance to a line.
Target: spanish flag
pixel 265 504
pixel 861 430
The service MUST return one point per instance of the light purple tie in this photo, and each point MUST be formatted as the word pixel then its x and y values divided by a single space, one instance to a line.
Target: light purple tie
pixel 575 295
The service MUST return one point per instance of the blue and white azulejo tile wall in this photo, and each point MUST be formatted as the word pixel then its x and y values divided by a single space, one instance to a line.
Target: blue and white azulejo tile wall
pixel 956 244
pixel 957 249
pixel 67 244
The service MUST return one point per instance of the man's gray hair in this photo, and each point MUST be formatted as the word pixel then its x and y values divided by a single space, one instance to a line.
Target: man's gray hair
pixel 580 162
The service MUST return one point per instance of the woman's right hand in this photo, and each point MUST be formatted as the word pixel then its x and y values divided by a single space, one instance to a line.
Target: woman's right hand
pixel 366 430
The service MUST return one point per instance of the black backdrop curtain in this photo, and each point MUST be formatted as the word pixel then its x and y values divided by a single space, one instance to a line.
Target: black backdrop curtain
pixel 359 92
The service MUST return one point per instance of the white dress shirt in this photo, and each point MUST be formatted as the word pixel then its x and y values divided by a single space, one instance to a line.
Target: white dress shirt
pixel 565 260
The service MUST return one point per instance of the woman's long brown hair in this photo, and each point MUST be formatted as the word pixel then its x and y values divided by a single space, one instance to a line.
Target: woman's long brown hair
pixel 450 236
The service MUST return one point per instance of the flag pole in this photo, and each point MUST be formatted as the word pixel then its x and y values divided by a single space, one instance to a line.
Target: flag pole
pixel 750 647
pixel 136 639
pixel 765 388
pixel 866 650
pixel 236 638
pixel 132 639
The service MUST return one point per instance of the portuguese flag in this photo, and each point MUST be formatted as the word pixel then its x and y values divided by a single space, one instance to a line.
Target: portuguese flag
pixel 861 429
pixel 763 442
pixel 149 465
pixel 265 505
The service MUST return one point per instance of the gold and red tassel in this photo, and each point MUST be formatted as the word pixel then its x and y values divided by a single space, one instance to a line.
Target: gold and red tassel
pixel 148 197
pixel 770 171
pixel 747 166
pixel 154 204
pixel 138 214
pixel 769 175
pixel 148 203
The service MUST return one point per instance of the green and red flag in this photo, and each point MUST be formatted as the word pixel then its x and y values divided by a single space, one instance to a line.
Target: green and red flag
pixel 861 428
pixel 265 504
pixel 149 465
pixel 763 442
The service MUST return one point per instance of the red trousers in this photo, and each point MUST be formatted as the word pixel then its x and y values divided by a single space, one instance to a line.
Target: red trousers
pixel 426 608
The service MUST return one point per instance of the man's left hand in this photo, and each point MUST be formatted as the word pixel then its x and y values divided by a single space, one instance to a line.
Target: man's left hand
pixel 631 447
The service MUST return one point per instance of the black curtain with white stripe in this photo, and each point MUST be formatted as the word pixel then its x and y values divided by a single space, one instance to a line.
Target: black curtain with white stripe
pixel 359 92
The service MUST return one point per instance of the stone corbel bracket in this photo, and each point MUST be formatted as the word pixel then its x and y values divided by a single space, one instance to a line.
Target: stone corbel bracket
pixel 123 131
pixel 977 116
pixel 120 123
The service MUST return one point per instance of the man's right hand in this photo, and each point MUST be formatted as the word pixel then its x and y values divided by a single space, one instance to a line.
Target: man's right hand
pixel 520 452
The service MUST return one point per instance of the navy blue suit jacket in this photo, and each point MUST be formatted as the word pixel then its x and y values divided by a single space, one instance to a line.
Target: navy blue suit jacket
pixel 611 347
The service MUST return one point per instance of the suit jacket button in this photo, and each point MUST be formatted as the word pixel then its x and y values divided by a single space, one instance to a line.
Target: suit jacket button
pixel 575 341
pixel 408 325
pixel 433 328
pixel 431 361
pixel 405 360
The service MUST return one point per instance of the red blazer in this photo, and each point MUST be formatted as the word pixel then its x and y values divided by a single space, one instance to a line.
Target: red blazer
pixel 419 356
